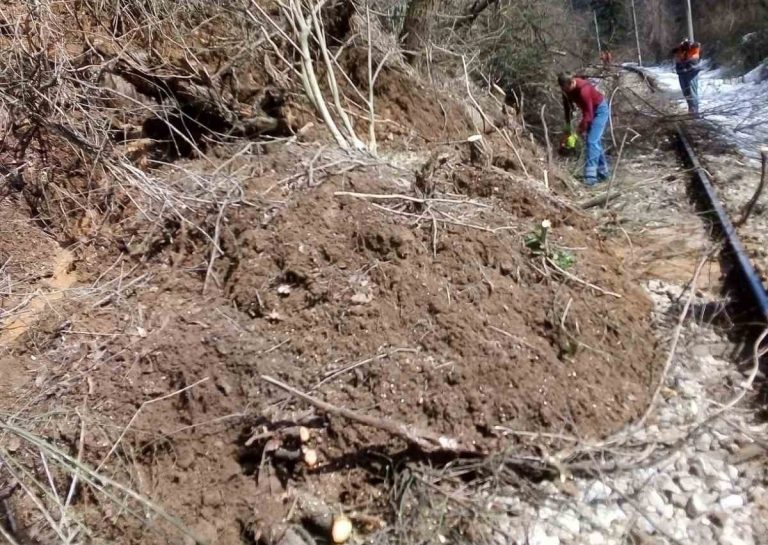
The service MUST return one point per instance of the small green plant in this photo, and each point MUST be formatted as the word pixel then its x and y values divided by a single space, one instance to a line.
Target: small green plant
pixel 536 241
pixel 563 259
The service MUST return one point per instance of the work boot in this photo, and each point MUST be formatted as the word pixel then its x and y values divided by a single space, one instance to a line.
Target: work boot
pixel 590 182
pixel 603 176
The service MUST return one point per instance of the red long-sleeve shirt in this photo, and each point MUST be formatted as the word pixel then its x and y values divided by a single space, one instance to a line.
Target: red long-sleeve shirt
pixel 587 98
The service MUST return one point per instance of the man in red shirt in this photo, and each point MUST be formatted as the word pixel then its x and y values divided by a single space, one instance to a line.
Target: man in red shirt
pixel 594 117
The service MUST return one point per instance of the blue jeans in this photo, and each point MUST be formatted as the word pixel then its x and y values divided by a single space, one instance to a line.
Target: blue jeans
pixel 597 165
pixel 689 84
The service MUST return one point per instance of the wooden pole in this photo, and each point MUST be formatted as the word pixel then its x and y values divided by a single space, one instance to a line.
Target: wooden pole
pixel 637 35
pixel 689 16
pixel 597 33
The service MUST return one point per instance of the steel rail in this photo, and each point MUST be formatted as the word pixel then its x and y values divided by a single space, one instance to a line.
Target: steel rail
pixel 750 282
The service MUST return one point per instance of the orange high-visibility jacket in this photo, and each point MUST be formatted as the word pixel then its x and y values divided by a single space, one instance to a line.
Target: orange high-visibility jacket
pixel 687 57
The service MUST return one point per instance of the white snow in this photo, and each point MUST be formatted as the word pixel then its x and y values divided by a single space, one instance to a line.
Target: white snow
pixel 738 105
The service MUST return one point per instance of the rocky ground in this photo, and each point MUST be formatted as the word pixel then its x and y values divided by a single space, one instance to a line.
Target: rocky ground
pixel 694 473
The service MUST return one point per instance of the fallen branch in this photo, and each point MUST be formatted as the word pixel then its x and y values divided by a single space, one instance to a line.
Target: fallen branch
pixel 424 440
pixel 578 280
pixel 597 200
pixel 385 197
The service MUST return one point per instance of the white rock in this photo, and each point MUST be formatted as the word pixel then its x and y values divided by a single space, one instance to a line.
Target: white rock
pixel 646 525
pixel 717 464
pixel 687 389
pixel 702 466
pixel 667 511
pixel 720 484
pixel 666 484
pixel 703 442
pixel 538 536
pixel 689 484
pixel 692 408
pixel 734 501
pixel 697 506
pixel 545 513
pixel 597 492
pixel 653 500
pixel 758 494
pixel 733 472
pixel 606 515
pixel 700 534
pixel 595 538
pixel 570 522
pixel 679 500
pixel 732 536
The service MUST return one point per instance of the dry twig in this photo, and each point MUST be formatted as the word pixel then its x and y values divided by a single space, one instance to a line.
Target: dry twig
pixel 426 441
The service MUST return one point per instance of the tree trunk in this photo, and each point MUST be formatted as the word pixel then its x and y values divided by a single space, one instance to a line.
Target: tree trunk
pixel 415 34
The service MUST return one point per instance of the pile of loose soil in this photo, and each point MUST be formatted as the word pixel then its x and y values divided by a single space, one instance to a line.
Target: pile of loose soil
pixel 407 298
pixel 430 313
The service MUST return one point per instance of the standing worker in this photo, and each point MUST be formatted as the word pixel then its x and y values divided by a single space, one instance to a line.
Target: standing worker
pixel 594 117
pixel 687 57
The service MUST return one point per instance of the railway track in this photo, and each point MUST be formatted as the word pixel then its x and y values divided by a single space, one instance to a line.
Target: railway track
pixel 743 276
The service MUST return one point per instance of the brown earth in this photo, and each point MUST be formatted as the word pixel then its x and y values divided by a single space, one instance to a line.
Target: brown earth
pixel 423 306
pixel 464 328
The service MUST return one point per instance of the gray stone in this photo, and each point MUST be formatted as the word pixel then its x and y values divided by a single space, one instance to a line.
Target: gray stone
pixel 606 515
pixel 538 536
pixel 732 536
pixel 681 465
pixel 719 484
pixel 570 522
pixel 758 494
pixel 697 505
pixel 653 500
pixel 679 500
pixel 689 484
pixel 545 513
pixel 701 351
pixel 718 518
pixel 734 501
pixel 700 534
pixel 667 511
pixel 733 472
pixel 703 442
pixel 692 408
pixel 597 491
pixel 668 485
pixel 701 466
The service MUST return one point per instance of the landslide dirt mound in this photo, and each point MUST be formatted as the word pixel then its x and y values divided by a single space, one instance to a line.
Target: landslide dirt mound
pixel 408 298
pixel 486 335
pixel 428 311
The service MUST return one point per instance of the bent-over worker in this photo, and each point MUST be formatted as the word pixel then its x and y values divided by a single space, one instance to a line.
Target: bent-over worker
pixel 594 117
pixel 687 57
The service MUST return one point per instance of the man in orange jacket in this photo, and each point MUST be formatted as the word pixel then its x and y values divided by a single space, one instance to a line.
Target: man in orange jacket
pixel 687 57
